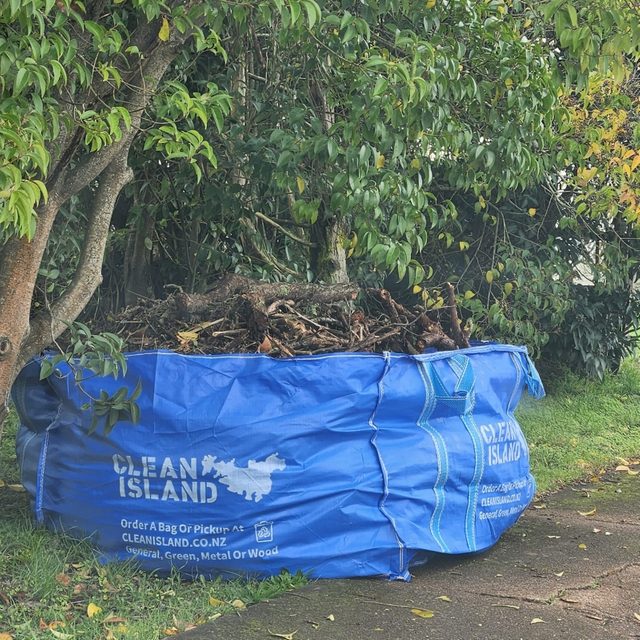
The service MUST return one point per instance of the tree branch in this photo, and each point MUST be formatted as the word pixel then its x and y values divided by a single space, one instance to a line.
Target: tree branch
pixel 147 78
pixel 48 326
pixel 281 228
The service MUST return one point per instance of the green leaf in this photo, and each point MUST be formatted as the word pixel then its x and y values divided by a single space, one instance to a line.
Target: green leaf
pixel 22 79
pixel 46 369
pixel 120 395
pixel 314 14
pixel 295 11
pixel 339 181
pixel 135 413
pixel 381 86
pixel 94 424
pixel 137 391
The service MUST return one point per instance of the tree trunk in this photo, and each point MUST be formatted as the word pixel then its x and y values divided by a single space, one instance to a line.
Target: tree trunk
pixel 329 260
pixel 19 264
pixel 137 274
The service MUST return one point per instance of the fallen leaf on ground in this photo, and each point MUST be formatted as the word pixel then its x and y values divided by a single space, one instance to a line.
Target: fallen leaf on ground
pixel 214 602
pixel 60 635
pixel 107 586
pixel 16 487
pixel 582 545
pixel 593 616
pixel 622 460
pixel 331 617
pixel 6 636
pixel 553 537
pixel 114 619
pixel 286 636
pixel 588 513
pixel 64 579
pixel 315 625
pixel 559 574
pixel 238 604
pixel 445 598
pixel 1 483
pixel 506 606
pixel 539 506
pixel 536 620
pixel 51 625
pixel 597 530
pixel 635 615
pixel 570 600
pixel 179 626
pixel 79 588
pixel 93 609
pixel 423 613
pixel 625 467
pixel 182 625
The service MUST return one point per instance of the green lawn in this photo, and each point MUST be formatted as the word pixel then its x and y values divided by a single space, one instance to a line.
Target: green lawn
pixel 582 425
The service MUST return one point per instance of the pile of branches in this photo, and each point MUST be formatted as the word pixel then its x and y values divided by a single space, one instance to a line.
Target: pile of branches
pixel 242 315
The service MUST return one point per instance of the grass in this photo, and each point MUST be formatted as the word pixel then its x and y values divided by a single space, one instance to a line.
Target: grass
pixel 49 584
pixel 581 426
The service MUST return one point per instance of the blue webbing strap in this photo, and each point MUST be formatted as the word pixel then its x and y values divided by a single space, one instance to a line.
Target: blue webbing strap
pixel 441 453
pixel 462 401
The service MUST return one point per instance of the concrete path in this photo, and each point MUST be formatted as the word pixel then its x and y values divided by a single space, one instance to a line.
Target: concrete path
pixel 556 574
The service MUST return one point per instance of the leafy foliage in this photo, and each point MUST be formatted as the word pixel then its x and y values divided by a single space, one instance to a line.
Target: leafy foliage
pixel 100 354
pixel 358 116
pixel 601 330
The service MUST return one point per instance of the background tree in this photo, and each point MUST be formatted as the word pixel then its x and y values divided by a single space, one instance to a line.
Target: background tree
pixel 356 142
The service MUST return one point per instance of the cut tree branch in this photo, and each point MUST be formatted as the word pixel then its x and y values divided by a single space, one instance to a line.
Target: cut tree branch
pixel 235 284
pixel 461 340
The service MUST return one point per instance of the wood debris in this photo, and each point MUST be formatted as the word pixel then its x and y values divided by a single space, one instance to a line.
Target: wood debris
pixel 242 315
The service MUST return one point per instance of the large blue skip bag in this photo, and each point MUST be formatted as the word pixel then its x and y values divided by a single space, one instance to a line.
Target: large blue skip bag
pixel 340 465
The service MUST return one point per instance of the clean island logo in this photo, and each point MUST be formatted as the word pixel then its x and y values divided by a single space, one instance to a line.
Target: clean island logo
pixel 190 480
pixel 252 481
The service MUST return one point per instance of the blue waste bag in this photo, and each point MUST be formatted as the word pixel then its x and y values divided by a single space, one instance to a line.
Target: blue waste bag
pixel 342 465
